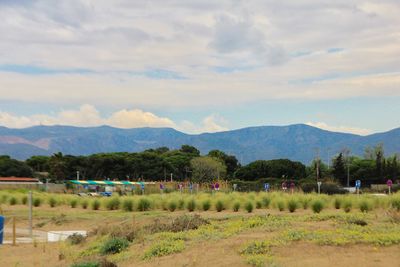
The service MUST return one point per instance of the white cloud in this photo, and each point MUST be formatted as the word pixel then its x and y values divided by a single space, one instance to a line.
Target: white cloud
pixel 88 115
pixel 341 129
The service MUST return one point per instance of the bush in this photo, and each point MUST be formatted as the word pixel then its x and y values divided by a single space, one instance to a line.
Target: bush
pixel 330 189
pixel 84 204
pixel 305 202
pixel 127 205
pixel 266 201
pixel 52 202
pixel 347 206
pixel 219 205
pixel 73 203
pixel 143 204
pixel 365 206
pixel 258 204
pixel 292 205
pixel 24 200
pixel 337 203
pixel 114 245
pixel 113 203
pixel 75 239
pixel 191 205
pixel 164 248
pixel 281 205
pixel 37 202
pixel 317 206
pixel 172 205
pixel 181 203
pixel 236 206
pixel 96 204
pixel 249 207
pixel 13 201
pixel 206 205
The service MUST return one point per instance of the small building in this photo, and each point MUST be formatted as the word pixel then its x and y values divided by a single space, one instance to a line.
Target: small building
pixel 19 182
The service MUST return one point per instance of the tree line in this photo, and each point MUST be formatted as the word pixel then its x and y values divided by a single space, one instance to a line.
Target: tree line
pixel 187 163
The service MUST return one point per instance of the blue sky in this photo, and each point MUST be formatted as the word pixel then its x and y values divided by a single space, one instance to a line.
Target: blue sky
pixel 201 65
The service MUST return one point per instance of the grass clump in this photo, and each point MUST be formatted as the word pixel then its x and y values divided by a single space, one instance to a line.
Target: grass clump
pixel 114 245
pixel 206 205
pixel 164 248
pixel 143 204
pixel 73 203
pixel 347 205
pixel 292 205
pixel 266 201
pixel 395 203
pixel 84 204
pixel 52 202
pixel 337 203
pixel 365 206
pixel 317 206
pixel 191 205
pixel 258 204
pixel 236 206
pixel 75 239
pixel 37 202
pixel 95 204
pixel 280 205
pixel 13 201
pixel 24 200
pixel 113 203
pixel 172 205
pixel 219 205
pixel 127 205
pixel 249 207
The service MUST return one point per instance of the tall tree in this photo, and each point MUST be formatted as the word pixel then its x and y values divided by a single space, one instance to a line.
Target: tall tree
pixel 207 169
pixel 339 169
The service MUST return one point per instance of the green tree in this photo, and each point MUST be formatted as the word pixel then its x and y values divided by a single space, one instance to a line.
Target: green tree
pixel 12 167
pixel 339 169
pixel 207 169
pixel 231 162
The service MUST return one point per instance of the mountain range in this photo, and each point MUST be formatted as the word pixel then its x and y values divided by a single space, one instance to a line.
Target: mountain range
pixel 298 142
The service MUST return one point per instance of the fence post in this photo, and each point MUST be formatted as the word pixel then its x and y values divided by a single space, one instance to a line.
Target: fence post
pixel 14 231
pixel 30 213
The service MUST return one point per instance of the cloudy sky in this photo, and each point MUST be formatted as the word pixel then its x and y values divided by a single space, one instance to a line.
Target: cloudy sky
pixel 201 65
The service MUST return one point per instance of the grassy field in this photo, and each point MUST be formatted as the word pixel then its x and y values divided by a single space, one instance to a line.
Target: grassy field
pixel 235 229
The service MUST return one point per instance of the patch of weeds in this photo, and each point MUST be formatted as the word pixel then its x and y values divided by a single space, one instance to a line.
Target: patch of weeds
pixel 13 201
pixel 84 204
pixel 347 205
pixel 73 203
pixel 256 247
pixel 292 205
pixel 24 200
pixel 365 206
pixel 113 203
pixel 127 205
pixel 191 205
pixel 37 202
pixel 266 201
pixel 76 239
pixel 52 202
pixel 281 205
pixel 114 245
pixel 59 220
pixel 258 204
pixel 356 221
pixel 172 205
pixel 395 203
pixel 256 260
pixel 337 203
pixel 164 248
pixel 95 204
pixel 40 225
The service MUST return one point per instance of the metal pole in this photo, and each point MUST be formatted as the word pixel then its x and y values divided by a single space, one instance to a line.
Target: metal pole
pixel 77 175
pixel 14 242
pixel 30 213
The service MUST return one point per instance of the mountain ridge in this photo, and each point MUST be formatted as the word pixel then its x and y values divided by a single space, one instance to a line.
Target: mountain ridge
pixel 296 142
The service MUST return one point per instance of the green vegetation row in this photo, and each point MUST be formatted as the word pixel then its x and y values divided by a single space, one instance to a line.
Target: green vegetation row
pixel 204 201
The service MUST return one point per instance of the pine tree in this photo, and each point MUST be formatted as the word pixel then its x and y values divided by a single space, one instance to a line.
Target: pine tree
pixel 339 170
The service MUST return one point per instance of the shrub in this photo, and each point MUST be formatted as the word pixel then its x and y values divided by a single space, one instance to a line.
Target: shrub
pixel 172 205
pixel 317 206
pixel 337 203
pixel 330 189
pixel 292 205
pixel 143 204
pixel 113 203
pixel 24 200
pixel 75 239
pixel 281 205
pixel 114 245
pixel 219 205
pixel 37 202
pixel 84 204
pixel 305 202
pixel 258 204
pixel 236 206
pixel 181 203
pixel 365 206
pixel 95 204
pixel 127 205
pixel 206 205
pixel 191 205
pixel 73 203
pixel 13 201
pixel 249 206
pixel 86 264
pixel 52 202
pixel 266 201
pixel 347 206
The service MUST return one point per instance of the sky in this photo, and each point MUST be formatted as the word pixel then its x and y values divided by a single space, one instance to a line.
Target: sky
pixel 201 65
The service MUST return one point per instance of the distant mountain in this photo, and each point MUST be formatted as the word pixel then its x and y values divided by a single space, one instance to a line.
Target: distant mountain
pixel 296 142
